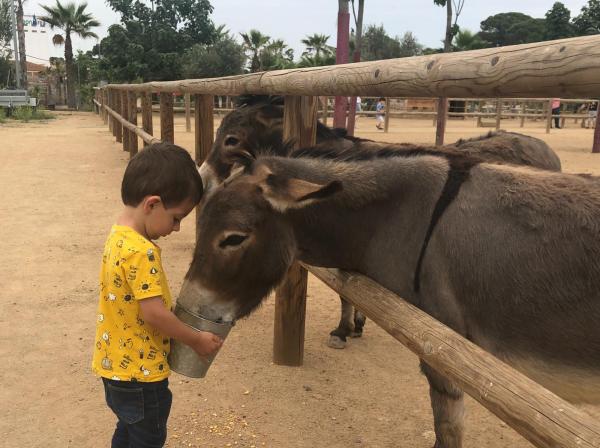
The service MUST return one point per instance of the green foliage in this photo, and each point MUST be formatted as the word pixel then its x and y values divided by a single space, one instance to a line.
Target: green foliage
pixel 588 21
pixel 254 43
pixel 376 45
pixel 466 40
pixel 276 56
pixel 149 43
pixel 511 28
pixel 2 115
pixel 558 22
pixel 5 27
pixel 28 113
pixel 223 58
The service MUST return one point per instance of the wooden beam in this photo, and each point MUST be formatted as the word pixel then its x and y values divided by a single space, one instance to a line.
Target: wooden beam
pixel 132 118
pixel 117 125
pixel 548 116
pixel 498 113
pixel 204 134
pixel 133 128
pixel 386 117
pixel 300 124
pixel 442 116
pixel 147 114
pixel 188 122
pixel 167 125
pixel 561 68
pixel 537 414
pixel 596 144
pixel 111 104
pixel 125 114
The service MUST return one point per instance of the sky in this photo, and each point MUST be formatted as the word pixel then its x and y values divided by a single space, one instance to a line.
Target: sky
pixel 293 20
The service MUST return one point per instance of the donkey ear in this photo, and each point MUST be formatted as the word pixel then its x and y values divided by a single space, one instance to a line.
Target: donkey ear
pixel 239 156
pixel 284 193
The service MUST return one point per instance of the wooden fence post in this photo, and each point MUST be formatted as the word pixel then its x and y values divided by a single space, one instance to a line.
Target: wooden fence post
pixel 188 124
pixel 204 133
pixel 442 112
pixel 125 114
pixel 111 104
pixel 548 116
pixel 299 123
pixel 167 125
pixel 116 123
pixel 386 117
pixel 132 118
pixel 103 105
pixel 147 113
pixel 596 145
pixel 498 113
pixel 523 111
pixel 325 110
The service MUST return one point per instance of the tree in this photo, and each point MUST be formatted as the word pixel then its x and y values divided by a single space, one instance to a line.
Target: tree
pixel 276 55
pixel 72 19
pixel 409 46
pixel 150 41
pixel 378 45
pixel 451 29
pixel 316 45
pixel 254 42
pixel 466 40
pixel 222 58
pixel 21 39
pixel 558 22
pixel 55 75
pixel 5 27
pixel 588 21
pixel 512 28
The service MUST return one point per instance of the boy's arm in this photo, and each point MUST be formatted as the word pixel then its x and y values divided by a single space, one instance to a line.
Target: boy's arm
pixel 159 317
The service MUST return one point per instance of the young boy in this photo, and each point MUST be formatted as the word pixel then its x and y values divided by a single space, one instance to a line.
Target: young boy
pixel 160 187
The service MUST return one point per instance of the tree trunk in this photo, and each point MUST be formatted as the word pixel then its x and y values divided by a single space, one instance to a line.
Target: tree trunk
pixel 448 39
pixel 70 71
pixel 341 57
pixel 356 58
pixel 21 36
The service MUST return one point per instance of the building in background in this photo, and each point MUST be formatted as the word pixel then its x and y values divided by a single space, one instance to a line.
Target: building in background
pixel 38 40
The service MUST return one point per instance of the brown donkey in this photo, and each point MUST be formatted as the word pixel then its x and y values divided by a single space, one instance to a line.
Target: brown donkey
pixel 257 126
pixel 509 257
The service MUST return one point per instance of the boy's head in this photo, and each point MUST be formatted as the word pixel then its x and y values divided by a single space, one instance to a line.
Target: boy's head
pixel 163 182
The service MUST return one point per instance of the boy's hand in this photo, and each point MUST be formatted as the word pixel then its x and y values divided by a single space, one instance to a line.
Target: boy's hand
pixel 206 343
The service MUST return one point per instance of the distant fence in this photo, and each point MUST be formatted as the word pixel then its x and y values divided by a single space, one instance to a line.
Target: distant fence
pixel 564 68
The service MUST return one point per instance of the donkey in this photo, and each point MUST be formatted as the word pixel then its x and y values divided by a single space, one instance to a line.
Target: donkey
pixel 257 125
pixel 507 256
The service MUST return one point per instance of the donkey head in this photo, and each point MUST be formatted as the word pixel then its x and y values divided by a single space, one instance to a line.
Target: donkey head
pixel 246 242
pixel 257 122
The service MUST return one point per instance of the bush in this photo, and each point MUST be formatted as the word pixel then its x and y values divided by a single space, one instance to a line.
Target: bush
pixel 2 115
pixel 28 113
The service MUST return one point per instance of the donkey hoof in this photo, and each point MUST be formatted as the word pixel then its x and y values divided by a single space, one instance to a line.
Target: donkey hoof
pixel 336 342
pixel 356 334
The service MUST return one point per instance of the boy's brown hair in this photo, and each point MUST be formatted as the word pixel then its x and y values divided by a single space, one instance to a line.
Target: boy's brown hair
pixel 164 170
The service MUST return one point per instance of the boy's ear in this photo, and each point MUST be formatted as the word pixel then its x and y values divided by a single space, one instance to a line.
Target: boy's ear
pixel 150 202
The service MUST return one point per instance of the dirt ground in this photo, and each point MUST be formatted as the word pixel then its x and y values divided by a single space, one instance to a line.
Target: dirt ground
pixel 60 185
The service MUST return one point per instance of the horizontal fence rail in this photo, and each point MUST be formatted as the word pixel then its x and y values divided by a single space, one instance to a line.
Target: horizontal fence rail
pixel 560 68
pixel 536 413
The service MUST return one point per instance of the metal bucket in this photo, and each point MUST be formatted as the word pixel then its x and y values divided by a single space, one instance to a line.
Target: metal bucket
pixel 182 358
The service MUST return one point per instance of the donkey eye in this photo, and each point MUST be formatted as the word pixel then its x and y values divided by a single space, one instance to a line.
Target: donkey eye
pixel 231 141
pixel 234 239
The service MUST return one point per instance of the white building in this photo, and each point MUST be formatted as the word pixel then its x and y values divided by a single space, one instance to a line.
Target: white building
pixel 38 40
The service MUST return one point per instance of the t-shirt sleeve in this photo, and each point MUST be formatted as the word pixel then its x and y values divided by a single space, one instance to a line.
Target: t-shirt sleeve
pixel 143 271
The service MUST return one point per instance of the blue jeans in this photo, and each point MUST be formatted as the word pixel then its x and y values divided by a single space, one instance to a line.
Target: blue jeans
pixel 142 410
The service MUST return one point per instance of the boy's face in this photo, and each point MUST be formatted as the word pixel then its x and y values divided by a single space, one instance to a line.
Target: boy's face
pixel 161 221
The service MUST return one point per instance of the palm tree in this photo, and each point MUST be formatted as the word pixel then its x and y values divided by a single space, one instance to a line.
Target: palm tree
pixel 254 42
pixel 55 75
pixel 21 38
pixel 71 19
pixel 316 45
pixel 466 40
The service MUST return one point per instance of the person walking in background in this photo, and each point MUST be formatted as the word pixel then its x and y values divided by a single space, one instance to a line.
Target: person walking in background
pixel 556 112
pixel 592 114
pixel 380 113
pixel 358 108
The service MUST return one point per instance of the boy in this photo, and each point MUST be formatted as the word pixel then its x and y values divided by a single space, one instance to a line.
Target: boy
pixel 380 112
pixel 160 187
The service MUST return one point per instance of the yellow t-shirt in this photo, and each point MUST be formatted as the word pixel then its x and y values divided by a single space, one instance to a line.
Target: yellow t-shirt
pixel 126 348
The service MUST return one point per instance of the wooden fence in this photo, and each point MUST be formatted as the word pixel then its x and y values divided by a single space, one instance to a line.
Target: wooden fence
pixel 564 68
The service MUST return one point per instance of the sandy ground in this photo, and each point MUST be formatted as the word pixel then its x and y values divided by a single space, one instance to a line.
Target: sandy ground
pixel 60 185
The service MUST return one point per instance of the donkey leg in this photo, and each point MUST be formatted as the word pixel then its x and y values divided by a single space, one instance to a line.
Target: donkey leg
pixel 337 338
pixel 448 409
pixel 359 323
